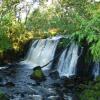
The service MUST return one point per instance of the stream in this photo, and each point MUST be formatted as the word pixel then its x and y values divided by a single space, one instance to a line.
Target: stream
pixel 19 86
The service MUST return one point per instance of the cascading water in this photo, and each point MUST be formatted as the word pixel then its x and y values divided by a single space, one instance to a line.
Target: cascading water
pixel 68 61
pixel 41 52
pixel 96 70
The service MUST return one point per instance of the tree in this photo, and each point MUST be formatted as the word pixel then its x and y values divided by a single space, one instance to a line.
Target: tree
pixel 79 19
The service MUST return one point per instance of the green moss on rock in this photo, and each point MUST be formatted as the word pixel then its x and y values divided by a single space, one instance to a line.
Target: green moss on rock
pixel 37 74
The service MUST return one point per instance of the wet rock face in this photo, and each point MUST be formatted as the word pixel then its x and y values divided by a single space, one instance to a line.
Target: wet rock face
pixel 84 62
pixel 54 75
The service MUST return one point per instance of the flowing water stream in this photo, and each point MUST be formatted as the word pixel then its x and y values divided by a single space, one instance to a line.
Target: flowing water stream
pixel 96 70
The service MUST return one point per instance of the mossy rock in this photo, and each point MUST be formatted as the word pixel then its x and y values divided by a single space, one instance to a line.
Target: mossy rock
pixel 3 96
pixel 37 74
pixel 9 84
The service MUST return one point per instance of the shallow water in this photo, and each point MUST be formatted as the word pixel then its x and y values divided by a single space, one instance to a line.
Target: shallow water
pixel 28 89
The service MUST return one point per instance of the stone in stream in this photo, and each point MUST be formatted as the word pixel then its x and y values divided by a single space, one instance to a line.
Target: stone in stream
pixel 37 74
pixel 9 84
pixel 54 75
pixel 5 83
pixel 70 82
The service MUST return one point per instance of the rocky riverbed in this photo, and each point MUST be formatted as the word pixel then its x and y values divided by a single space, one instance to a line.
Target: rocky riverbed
pixel 15 82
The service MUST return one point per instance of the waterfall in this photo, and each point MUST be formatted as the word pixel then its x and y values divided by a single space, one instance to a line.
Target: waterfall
pixel 96 70
pixel 68 61
pixel 41 52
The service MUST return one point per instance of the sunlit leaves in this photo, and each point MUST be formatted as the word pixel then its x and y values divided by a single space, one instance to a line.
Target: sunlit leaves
pixel 95 50
pixel 80 19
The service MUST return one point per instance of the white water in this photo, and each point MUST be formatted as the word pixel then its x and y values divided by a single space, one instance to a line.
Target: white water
pixel 96 70
pixel 68 61
pixel 41 52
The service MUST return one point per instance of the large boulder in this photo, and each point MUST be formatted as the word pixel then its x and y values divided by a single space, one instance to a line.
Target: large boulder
pixel 37 74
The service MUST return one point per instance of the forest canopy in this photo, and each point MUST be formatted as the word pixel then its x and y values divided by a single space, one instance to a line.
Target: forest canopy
pixel 80 19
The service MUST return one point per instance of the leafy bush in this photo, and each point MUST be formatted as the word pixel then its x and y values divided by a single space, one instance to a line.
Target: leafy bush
pixel 92 92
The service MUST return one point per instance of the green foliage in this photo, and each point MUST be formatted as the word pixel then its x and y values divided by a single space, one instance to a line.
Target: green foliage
pixel 92 92
pixel 79 19
pixel 10 31
pixel 35 24
pixel 4 27
pixel 7 20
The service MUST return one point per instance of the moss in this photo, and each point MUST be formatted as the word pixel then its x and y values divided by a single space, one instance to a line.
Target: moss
pixel 3 96
pixel 37 74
